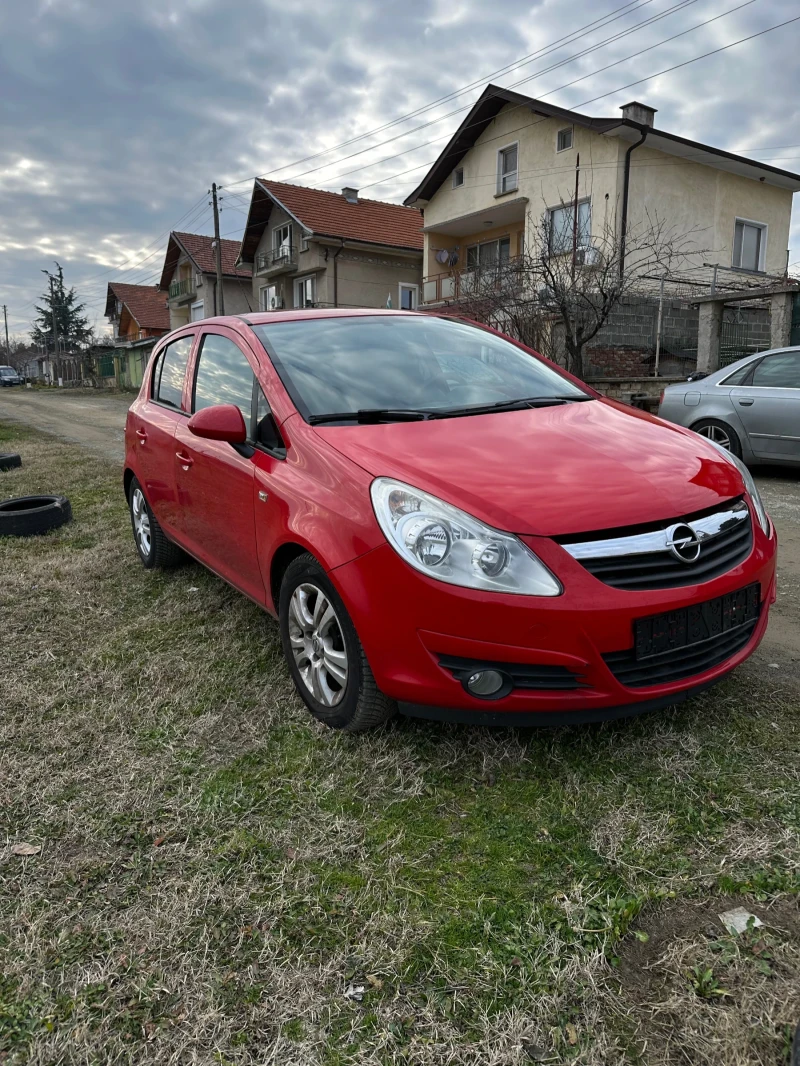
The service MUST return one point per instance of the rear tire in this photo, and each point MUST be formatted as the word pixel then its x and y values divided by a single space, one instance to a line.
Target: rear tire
pixel 721 433
pixel 325 656
pixel 156 551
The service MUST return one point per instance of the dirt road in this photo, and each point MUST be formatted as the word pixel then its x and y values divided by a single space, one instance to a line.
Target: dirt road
pixel 97 421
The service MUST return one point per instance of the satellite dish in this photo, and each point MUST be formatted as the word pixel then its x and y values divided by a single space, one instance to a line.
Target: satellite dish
pixel 453 258
pixel 442 256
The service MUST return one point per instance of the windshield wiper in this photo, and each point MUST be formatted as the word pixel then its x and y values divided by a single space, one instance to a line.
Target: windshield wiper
pixel 372 416
pixel 509 405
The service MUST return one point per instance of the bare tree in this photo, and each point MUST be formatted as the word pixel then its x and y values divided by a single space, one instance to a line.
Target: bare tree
pixel 571 278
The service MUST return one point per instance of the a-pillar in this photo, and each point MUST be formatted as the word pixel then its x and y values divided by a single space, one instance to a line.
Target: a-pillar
pixel 780 319
pixel 708 332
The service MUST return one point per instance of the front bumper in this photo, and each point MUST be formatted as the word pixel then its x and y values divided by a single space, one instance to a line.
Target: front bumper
pixel 407 622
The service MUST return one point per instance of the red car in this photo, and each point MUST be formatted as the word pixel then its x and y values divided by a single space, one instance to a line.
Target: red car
pixel 445 522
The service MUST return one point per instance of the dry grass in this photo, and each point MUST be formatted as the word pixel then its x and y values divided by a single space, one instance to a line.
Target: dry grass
pixel 216 870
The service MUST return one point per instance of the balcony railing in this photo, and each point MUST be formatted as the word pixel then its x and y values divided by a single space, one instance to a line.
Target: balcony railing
pixel 456 285
pixel 184 287
pixel 274 260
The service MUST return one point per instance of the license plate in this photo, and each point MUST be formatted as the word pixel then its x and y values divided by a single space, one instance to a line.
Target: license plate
pixel 692 625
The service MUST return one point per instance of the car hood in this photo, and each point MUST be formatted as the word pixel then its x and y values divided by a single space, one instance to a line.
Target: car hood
pixel 549 471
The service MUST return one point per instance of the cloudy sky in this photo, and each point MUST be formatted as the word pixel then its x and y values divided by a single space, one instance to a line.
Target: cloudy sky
pixel 118 114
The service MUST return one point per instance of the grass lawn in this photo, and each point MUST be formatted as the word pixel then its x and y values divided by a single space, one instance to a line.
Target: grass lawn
pixel 220 880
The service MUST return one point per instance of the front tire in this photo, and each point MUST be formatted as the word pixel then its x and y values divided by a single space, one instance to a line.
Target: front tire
pixel 155 550
pixel 721 433
pixel 325 656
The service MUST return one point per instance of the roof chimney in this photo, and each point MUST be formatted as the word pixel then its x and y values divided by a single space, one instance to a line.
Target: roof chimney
pixel 351 195
pixel 637 112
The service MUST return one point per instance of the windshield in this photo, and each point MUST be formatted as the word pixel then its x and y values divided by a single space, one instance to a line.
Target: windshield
pixel 393 362
pixel 7 372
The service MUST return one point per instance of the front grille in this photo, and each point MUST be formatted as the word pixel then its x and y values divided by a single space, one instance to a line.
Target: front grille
pixel 679 663
pixel 522 675
pixel 624 562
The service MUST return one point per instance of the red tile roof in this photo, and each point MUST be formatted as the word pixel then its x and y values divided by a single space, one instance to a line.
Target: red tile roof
pixel 329 214
pixel 199 248
pixel 147 304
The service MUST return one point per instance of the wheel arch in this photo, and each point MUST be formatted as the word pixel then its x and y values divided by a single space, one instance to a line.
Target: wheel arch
pixel 279 564
pixel 127 478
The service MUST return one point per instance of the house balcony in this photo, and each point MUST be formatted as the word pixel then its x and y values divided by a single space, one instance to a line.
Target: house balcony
pixel 452 286
pixel 281 260
pixel 182 291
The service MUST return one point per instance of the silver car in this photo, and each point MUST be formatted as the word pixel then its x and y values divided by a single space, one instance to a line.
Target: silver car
pixel 751 407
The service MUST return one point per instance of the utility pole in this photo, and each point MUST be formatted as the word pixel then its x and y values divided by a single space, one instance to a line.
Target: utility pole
pixel 55 327
pixel 218 244
pixel 5 319
pixel 575 215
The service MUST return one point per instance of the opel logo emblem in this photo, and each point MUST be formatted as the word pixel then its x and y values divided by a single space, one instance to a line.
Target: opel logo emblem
pixel 684 543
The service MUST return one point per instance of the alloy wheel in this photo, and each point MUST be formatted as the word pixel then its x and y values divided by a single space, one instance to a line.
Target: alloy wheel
pixel 317 644
pixel 141 522
pixel 716 434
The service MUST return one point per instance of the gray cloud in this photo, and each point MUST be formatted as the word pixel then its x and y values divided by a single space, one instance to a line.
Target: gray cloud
pixel 116 117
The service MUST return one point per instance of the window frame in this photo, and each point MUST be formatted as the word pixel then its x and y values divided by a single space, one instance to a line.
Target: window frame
pixel 298 283
pixel 571 131
pixel 262 289
pixel 565 207
pixel 500 175
pixel 276 244
pixel 762 245
pixel 158 364
pixel 414 288
pixel 192 306
pixel 457 171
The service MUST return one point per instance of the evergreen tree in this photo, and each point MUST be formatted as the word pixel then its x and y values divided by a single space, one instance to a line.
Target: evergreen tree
pixel 73 327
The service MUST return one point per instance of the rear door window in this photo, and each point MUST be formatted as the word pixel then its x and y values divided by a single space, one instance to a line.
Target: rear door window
pixel 223 375
pixel 780 371
pixel 170 373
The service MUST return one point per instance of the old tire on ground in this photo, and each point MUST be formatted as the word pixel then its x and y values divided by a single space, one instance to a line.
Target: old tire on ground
pixel 10 461
pixel 28 516
pixel 325 656
pixel 156 551
pixel 721 433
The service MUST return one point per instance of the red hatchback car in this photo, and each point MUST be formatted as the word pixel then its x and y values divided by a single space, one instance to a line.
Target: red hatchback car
pixel 443 521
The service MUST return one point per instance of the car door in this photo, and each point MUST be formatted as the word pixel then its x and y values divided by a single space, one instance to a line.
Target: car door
pixel 215 481
pixel 769 407
pixel 154 424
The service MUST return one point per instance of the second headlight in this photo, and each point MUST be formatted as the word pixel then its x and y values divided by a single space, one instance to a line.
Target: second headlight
pixel 452 546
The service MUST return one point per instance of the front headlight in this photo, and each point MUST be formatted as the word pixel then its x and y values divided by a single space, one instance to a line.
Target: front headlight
pixel 447 544
pixel 750 486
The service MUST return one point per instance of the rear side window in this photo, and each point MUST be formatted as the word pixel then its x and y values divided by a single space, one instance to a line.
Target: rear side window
pixel 778 371
pixel 738 376
pixel 223 376
pixel 170 373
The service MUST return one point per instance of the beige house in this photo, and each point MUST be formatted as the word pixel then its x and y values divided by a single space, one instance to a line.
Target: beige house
pixel 514 159
pixel 189 278
pixel 311 248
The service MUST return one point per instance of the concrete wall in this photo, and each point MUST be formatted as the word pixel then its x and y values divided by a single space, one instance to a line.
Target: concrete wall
pixel 237 292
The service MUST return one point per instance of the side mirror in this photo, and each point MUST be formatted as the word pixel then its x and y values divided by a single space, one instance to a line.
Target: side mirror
pixel 223 422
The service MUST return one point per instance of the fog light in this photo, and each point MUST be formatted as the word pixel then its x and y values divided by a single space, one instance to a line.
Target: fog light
pixel 485 682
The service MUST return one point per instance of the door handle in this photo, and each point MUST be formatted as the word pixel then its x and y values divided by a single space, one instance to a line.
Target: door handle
pixel 140 433
pixel 746 403
pixel 185 460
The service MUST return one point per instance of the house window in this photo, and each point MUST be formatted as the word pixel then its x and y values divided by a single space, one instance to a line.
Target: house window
pixel 197 311
pixel 507 169
pixel 564 139
pixel 561 225
pixel 408 297
pixel 305 292
pixel 749 245
pixel 282 241
pixel 489 254
pixel 458 177
pixel 269 298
